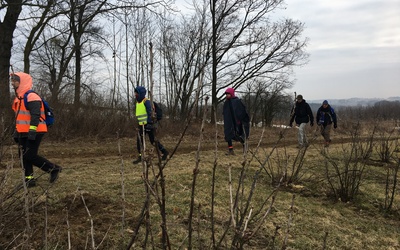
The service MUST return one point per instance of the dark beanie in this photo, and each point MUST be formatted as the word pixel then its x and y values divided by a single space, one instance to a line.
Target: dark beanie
pixel 325 102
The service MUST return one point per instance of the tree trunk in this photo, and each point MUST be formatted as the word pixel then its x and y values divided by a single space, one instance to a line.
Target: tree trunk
pixel 7 27
pixel 214 100
pixel 78 70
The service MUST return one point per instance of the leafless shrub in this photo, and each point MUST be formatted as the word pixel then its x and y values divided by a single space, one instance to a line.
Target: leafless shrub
pixel 386 145
pixel 362 142
pixel 285 169
pixel 344 173
pixel 391 184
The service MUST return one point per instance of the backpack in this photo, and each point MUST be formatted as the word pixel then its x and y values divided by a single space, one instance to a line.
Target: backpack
pixel 48 111
pixel 158 111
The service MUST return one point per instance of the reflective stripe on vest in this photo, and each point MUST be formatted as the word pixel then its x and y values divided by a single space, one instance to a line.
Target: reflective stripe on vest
pixel 23 119
pixel 141 113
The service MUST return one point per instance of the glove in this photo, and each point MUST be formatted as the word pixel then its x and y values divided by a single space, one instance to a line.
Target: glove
pixel 334 125
pixel 16 136
pixel 148 127
pixel 32 135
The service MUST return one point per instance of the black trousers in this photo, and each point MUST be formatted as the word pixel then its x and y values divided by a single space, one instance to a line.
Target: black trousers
pixel 30 155
pixel 150 133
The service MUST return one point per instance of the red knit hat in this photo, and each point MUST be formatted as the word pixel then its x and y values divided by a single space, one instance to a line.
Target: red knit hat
pixel 230 91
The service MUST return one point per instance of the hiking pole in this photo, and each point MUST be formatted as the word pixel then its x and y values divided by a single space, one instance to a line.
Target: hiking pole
pixel 294 106
pixel 12 69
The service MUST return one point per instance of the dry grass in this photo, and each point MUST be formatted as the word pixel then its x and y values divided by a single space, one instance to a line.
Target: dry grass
pixel 92 172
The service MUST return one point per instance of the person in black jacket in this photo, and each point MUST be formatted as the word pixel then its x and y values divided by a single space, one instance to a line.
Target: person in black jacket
pixel 302 115
pixel 325 117
pixel 236 120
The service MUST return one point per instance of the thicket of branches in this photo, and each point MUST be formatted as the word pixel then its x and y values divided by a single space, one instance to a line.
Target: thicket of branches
pixel 251 199
pixel 77 51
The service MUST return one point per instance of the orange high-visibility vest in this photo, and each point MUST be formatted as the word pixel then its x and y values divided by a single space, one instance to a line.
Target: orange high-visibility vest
pixel 23 117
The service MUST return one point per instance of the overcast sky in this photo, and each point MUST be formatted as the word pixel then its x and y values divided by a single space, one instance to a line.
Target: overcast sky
pixel 354 48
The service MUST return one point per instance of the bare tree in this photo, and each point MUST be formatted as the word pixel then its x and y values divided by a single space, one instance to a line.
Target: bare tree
pixel 265 100
pixel 48 11
pixel 185 49
pixel 7 28
pixel 247 45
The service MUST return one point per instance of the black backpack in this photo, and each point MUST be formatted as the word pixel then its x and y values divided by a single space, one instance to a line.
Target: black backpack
pixel 158 111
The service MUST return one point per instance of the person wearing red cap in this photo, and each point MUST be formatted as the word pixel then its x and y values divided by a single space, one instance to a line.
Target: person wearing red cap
pixel 30 127
pixel 236 120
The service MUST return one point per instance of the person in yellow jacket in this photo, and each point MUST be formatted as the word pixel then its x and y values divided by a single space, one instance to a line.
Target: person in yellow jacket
pixel 143 115
pixel 30 127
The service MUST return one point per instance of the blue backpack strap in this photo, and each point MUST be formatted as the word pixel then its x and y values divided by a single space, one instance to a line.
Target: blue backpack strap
pixel 26 97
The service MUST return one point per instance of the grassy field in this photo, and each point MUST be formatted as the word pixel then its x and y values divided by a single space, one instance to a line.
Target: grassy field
pixel 98 199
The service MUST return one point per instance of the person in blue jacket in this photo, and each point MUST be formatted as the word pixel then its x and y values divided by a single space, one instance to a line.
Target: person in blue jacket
pixel 145 122
pixel 236 120
pixel 326 116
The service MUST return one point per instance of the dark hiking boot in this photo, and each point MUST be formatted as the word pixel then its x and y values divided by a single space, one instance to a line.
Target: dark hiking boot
pixel 327 143
pixel 54 174
pixel 230 152
pixel 165 155
pixel 138 160
pixel 30 182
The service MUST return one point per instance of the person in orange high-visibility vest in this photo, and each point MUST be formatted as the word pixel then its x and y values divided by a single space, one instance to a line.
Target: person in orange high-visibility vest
pixel 145 122
pixel 30 127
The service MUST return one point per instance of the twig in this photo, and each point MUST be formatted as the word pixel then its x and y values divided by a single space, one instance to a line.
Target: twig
pixel 231 195
pixel 195 174
pixel 122 172
pixel 91 222
pixel 325 238
pixel 68 233
pixel 246 222
pixel 284 245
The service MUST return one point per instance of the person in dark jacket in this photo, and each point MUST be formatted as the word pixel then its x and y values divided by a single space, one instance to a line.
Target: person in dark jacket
pixel 326 116
pixel 30 127
pixel 302 115
pixel 236 120
pixel 146 123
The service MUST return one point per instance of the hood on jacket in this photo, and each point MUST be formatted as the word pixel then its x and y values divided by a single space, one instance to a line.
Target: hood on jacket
pixel 25 83
pixel 142 93
pixel 230 91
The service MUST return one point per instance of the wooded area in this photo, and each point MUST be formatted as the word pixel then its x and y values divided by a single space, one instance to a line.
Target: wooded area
pixel 94 52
